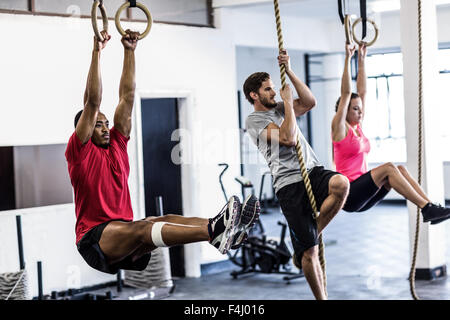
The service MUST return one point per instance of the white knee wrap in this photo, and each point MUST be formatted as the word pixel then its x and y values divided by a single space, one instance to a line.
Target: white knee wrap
pixel 157 235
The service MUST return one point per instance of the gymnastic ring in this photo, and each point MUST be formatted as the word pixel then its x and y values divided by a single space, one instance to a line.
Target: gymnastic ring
pixel 359 42
pixel 347 25
pixel 143 8
pixel 95 5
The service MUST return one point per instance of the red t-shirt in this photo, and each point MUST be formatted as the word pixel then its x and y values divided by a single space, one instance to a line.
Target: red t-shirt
pixel 100 181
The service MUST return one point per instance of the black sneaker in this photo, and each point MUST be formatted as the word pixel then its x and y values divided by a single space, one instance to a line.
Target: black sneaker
pixel 250 212
pixel 222 227
pixel 439 220
pixel 435 213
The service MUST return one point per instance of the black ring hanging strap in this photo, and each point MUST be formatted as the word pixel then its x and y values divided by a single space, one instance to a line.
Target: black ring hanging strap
pixel 363 10
pixel 340 10
pixel 132 3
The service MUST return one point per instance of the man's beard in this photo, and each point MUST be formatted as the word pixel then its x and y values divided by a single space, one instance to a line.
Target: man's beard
pixel 102 145
pixel 269 105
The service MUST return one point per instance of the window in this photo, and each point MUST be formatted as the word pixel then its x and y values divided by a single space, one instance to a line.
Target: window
pixel 385 112
pixel 192 12
pixel 444 85
pixel 195 12
pixel 14 4
pixel 75 8
pixel 34 176
pixel 384 123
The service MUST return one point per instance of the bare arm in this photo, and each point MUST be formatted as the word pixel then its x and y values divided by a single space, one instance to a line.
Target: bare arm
pixel 338 127
pixel 122 115
pixel 306 100
pixel 286 134
pixel 361 81
pixel 92 93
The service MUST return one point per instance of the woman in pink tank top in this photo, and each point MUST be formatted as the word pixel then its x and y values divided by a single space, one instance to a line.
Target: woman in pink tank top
pixel 350 149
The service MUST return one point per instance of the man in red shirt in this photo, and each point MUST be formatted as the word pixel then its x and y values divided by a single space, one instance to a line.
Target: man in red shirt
pixel 106 235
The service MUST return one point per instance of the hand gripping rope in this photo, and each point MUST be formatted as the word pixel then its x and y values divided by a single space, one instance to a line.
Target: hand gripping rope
pixel 95 5
pixel 301 160
pixel 131 4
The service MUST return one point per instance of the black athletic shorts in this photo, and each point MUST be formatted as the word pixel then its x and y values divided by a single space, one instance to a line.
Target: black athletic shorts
pixel 364 194
pixel 90 250
pixel 297 209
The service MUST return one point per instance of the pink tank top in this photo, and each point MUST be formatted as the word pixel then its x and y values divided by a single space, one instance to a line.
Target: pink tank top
pixel 350 154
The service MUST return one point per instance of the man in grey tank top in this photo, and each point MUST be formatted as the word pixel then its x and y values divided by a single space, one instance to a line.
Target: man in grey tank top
pixel 273 128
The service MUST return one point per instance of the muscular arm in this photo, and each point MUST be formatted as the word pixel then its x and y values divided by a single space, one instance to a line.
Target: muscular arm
pixel 286 134
pixel 122 115
pixel 338 128
pixel 361 81
pixel 92 94
pixel 306 100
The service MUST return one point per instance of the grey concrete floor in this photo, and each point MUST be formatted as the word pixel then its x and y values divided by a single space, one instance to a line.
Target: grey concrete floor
pixel 367 259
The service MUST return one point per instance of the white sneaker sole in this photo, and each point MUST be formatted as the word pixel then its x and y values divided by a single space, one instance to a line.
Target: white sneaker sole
pixel 250 216
pixel 234 208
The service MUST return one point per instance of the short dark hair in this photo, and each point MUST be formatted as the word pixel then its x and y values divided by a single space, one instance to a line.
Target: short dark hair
pixel 77 117
pixel 353 96
pixel 253 83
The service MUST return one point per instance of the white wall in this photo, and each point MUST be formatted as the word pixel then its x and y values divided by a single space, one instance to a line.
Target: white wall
pixel 258 30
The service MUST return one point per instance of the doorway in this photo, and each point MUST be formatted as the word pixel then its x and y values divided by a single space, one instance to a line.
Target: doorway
pixel 162 177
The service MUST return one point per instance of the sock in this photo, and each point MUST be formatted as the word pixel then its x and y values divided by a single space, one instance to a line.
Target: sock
pixel 210 231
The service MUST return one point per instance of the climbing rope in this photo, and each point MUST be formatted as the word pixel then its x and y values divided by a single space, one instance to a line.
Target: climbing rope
pixel 412 274
pixel 301 160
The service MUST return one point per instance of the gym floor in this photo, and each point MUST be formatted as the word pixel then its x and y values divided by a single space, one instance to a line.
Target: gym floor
pixel 367 259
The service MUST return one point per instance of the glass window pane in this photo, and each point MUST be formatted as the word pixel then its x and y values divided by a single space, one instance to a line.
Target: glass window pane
pixel 72 7
pixel 396 106
pixel 111 8
pixel 76 7
pixel 376 119
pixel 14 5
pixel 444 111
pixel 444 58
pixel 177 11
pixel 384 64
pixel 384 122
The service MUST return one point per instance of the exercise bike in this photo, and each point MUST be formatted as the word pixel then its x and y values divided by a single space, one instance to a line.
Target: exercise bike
pixel 258 254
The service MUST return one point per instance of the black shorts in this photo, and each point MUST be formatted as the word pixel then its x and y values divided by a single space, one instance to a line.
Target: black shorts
pixel 90 250
pixel 297 209
pixel 364 194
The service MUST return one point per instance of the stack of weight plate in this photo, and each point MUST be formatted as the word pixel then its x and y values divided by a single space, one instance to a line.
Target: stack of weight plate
pixel 14 286
pixel 156 277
